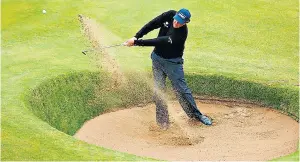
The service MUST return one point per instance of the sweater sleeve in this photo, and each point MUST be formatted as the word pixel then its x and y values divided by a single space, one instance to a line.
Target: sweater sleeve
pixel 174 39
pixel 153 42
pixel 154 24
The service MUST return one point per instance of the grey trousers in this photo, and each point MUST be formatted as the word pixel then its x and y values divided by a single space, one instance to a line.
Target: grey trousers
pixel 173 69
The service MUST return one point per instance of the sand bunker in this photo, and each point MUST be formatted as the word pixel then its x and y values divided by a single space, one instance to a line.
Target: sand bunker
pixel 239 132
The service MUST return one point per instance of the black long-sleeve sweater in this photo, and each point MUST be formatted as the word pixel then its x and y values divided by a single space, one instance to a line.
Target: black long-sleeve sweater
pixel 170 41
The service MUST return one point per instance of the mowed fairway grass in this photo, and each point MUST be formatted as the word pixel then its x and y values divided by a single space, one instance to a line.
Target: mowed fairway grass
pixel 253 44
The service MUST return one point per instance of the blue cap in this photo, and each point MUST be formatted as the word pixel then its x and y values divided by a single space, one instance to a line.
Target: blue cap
pixel 183 16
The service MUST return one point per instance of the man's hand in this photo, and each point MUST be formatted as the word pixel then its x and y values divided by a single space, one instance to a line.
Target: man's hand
pixel 130 42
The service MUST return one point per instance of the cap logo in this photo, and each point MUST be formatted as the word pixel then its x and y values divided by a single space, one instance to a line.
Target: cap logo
pixel 182 16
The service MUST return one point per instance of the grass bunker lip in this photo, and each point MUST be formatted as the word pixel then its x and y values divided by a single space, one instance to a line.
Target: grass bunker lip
pixel 68 101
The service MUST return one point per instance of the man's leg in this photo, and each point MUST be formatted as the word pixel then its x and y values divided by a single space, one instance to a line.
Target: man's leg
pixel 183 93
pixel 162 115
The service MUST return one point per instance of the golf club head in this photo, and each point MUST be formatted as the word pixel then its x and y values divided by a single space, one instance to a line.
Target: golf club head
pixel 84 52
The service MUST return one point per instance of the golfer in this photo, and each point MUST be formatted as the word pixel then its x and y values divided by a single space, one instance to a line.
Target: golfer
pixel 167 61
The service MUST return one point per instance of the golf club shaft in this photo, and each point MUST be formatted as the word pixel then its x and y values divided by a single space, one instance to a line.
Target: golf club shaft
pixel 99 48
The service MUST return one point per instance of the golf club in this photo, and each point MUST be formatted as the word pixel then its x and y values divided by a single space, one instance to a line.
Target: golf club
pixel 89 50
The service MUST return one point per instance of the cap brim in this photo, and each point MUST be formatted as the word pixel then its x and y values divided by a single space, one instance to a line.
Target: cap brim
pixel 179 19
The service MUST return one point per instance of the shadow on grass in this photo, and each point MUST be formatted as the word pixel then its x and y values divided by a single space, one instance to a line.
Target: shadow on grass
pixel 67 101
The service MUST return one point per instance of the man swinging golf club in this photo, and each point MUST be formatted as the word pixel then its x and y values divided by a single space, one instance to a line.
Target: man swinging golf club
pixel 167 61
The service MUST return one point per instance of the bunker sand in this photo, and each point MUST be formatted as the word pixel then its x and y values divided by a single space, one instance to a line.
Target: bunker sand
pixel 239 132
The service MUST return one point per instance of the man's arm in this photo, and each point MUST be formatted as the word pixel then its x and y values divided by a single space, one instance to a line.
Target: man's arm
pixel 164 40
pixel 175 38
pixel 154 24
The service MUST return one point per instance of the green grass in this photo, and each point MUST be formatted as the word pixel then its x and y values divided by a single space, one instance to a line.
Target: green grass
pixel 252 44
pixel 292 157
